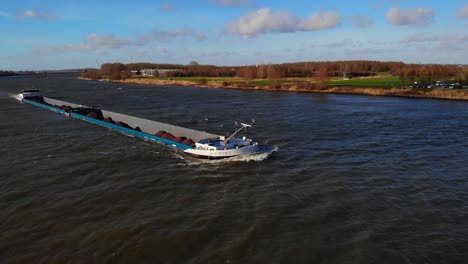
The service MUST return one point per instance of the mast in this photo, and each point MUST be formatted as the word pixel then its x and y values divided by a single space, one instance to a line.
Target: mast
pixel 242 126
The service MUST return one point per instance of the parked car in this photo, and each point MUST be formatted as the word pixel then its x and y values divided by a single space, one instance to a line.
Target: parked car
pixel 441 84
pixel 455 86
pixel 415 85
pixel 423 85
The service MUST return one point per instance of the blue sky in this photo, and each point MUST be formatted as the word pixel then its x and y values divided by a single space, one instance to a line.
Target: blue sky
pixel 65 34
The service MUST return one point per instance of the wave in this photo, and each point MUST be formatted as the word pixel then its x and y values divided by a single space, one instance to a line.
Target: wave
pixel 15 96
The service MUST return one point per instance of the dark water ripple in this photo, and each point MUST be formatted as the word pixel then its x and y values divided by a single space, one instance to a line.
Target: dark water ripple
pixel 355 180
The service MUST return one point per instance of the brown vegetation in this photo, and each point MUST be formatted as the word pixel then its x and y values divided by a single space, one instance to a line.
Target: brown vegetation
pixel 313 76
pixel 320 70
pixel 321 76
pixel 429 73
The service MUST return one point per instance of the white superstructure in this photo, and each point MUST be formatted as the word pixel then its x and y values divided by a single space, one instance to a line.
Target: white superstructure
pixel 218 148
pixel 25 94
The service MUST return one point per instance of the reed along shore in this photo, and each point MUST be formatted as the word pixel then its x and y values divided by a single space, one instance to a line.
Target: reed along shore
pixel 449 94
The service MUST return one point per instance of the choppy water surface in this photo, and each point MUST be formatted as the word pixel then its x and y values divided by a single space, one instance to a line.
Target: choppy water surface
pixel 355 180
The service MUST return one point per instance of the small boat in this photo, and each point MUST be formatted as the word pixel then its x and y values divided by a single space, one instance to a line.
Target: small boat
pixel 199 144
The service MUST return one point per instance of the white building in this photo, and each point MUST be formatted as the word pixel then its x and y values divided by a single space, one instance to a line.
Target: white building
pixel 154 72
pixel 148 72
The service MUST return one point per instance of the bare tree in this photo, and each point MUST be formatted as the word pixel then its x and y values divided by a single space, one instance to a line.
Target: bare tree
pixel 321 77
pixel 274 72
pixel 106 69
pixel 247 72
pixel 126 74
pixel 262 71
pixel 91 74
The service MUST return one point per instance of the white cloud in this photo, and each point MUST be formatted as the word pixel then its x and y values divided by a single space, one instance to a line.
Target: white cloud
pixel 321 20
pixel 235 3
pixel 135 54
pixel 195 54
pixel 428 37
pixel 92 42
pixel 449 41
pixel 463 13
pixel 140 51
pixel 414 16
pixel 4 14
pixel 178 34
pixel 347 42
pixel 161 50
pixel 166 7
pixel 263 21
pixel 453 42
pixel 96 43
pixel 28 14
pixel 361 21
pixel 419 37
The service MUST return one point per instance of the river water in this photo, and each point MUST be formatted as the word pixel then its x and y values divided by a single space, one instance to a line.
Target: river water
pixel 355 179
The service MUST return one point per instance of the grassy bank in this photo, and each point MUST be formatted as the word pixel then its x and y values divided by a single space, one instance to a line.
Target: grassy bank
pixel 221 81
pixel 377 82
pixel 385 82
pixel 374 86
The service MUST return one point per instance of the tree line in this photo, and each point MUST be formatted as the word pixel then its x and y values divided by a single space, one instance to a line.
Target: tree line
pixel 318 70
pixel 7 73
pixel 432 73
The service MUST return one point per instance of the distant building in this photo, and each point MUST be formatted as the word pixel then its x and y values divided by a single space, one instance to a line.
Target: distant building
pixel 348 75
pixel 148 72
pixel 167 73
pixel 154 72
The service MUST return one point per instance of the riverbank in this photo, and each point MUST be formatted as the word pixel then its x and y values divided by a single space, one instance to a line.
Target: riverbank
pixel 308 87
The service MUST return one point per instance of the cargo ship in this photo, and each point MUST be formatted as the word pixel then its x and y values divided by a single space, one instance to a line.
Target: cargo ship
pixel 196 143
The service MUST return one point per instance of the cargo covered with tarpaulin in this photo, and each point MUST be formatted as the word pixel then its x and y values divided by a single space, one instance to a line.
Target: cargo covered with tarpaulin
pixel 175 136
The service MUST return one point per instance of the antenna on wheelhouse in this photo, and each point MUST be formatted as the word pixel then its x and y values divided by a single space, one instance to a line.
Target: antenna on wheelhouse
pixel 243 126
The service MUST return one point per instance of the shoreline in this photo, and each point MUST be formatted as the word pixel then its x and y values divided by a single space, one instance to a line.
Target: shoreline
pixel 446 94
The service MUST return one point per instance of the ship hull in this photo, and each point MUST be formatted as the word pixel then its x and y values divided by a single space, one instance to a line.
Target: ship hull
pixel 128 131
pixel 146 128
pixel 222 154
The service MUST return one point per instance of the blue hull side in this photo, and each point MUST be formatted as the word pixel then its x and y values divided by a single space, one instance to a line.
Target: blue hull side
pixel 124 130
pixel 60 111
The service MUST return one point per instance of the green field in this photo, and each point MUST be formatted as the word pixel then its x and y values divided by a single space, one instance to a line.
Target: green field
pixel 385 82
pixel 220 80
pixel 216 79
pixel 230 80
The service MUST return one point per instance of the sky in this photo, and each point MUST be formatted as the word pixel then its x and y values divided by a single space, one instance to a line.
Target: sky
pixel 66 34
